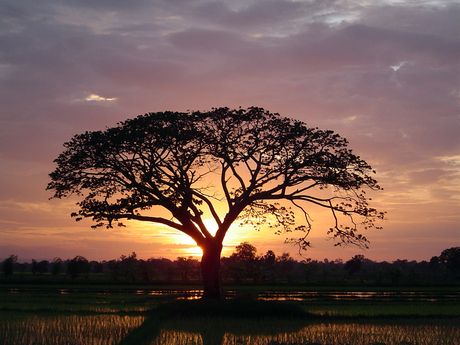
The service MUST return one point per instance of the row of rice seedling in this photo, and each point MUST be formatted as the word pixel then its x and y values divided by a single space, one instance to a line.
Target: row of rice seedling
pixel 112 329
pixel 322 333
pixel 66 329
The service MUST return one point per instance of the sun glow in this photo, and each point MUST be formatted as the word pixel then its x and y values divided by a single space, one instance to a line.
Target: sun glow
pixel 176 243
pixel 171 243
pixel 211 225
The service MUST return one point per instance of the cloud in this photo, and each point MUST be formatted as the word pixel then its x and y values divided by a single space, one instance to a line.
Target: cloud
pixel 384 75
pixel 431 176
pixel 97 98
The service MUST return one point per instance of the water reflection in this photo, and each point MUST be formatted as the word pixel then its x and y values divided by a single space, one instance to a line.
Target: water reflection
pixel 194 294
pixel 211 322
pixel 356 295
pixel 315 295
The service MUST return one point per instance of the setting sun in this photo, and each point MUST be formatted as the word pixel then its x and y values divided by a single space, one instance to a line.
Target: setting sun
pixel 397 106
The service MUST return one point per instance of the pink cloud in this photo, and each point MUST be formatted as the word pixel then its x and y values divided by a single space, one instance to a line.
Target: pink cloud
pixel 331 64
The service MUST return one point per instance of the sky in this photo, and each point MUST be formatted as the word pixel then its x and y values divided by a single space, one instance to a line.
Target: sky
pixel 383 74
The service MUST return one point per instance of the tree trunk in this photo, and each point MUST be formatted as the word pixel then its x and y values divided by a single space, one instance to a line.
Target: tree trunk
pixel 210 267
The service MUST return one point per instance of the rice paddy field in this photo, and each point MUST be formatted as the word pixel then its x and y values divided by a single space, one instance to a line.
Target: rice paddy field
pixel 47 314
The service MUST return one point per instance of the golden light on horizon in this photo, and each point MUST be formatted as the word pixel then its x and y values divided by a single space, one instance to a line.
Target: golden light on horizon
pixel 185 245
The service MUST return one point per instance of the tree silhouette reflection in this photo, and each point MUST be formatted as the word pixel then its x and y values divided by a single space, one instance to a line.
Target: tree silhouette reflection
pixel 213 319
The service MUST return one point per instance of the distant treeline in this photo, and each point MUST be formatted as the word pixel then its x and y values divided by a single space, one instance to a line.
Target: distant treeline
pixel 242 267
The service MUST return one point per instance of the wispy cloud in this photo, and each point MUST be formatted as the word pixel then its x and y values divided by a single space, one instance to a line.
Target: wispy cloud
pixel 97 98
pixel 383 74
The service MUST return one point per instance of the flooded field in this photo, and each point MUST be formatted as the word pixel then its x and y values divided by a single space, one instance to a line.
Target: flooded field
pixel 272 295
pixel 34 315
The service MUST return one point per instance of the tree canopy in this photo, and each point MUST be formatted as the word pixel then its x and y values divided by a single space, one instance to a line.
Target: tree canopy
pixel 186 163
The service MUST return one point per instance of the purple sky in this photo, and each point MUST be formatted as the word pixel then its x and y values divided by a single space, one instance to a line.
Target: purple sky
pixel 383 74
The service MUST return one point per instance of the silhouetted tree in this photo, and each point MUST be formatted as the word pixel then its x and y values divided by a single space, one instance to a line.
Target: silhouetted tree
pixel 7 265
pixel 269 258
pixel 145 271
pixel 263 161
pixel 22 268
pixel 185 267
pixel 169 271
pixel 114 269
pixel 242 263
pixel 286 264
pixel 233 269
pixel 268 263
pixel 451 258
pixel 396 274
pixel 39 267
pixel 354 264
pixel 34 266
pixel 78 265
pixel 308 267
pixel 56 266
pixel 128 265
pixel 98 267
pixel 245 252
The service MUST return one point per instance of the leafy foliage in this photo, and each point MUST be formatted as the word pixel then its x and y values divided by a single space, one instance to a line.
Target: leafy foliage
pixel 261 160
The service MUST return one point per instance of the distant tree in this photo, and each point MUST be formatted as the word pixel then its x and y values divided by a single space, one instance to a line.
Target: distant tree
pixel 22 268
pixel 378 275
pixel 434 262
pixel 78 265
pixel 286 264
pixel 7 265
pixel 114 269
pixel 98 267
pixel 39 267
pixel 243 263
pixel 34 266
pixel 396 274
pixel 128 265
pixel 169 271
pixel 252 161
pixel 354 264
pixel 268 262
pixel 145 271
pixel 56 266
pixel 269 258
pixel 148 269
pixel 451 258
pixel 234 269
pixel 308 267
pixel 286 261
pixel 43 266
pixel 185 267
pixel 245 252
